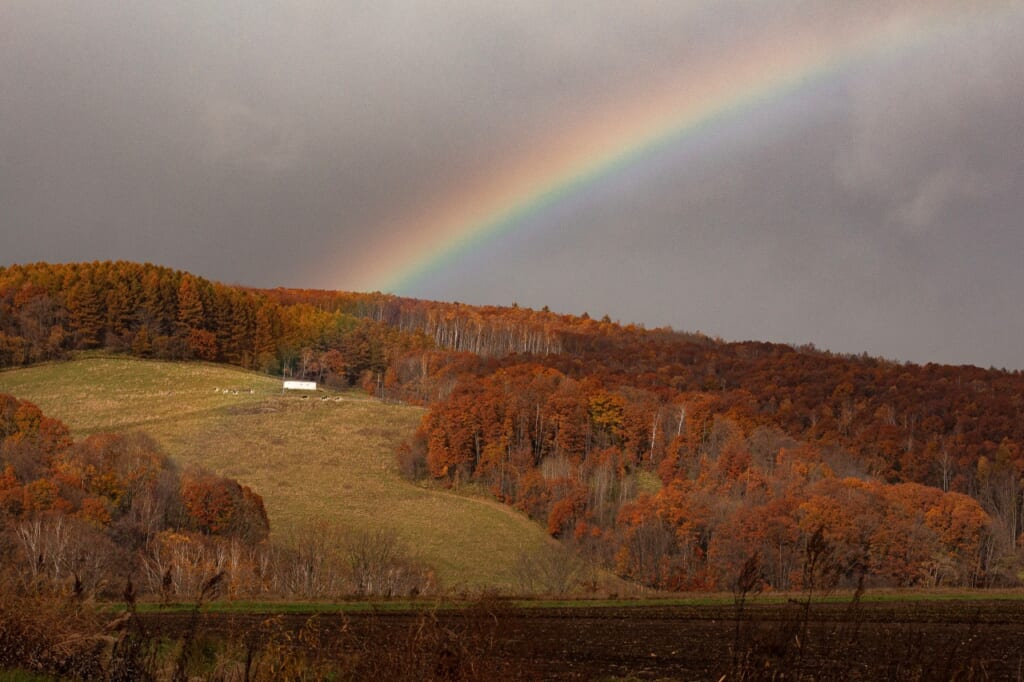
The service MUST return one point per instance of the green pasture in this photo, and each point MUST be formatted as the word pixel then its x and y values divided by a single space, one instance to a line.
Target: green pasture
pixel 323 462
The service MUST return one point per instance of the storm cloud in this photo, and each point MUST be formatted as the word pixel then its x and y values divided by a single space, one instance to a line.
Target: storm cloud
pixel 878 209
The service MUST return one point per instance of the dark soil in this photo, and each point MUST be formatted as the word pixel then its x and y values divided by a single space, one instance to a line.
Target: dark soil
pixel 931 640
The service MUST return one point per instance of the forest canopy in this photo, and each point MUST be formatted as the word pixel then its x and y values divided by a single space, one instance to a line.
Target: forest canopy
pixel 668 457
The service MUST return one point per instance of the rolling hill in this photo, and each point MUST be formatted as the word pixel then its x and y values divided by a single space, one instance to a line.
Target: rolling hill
pixel 318 463
pixel 667 457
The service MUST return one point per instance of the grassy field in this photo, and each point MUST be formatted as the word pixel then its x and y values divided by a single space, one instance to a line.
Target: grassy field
pixel 319 464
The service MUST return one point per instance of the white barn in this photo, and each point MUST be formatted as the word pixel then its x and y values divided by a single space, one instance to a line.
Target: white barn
pixel 299 386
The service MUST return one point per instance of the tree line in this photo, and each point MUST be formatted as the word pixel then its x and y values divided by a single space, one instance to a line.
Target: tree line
pixel 48 311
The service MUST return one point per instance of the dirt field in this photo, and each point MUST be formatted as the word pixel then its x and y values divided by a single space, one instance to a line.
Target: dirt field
pixel 938 640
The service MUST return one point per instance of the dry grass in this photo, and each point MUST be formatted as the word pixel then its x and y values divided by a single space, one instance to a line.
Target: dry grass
pixel 315 462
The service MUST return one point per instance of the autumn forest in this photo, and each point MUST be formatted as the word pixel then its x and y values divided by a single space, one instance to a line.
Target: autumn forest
pixel 668 458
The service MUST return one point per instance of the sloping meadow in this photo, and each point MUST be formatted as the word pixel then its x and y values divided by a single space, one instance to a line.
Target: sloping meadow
pixel 323 463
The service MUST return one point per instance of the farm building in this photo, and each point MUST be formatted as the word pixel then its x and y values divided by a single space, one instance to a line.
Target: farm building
pixel 299 386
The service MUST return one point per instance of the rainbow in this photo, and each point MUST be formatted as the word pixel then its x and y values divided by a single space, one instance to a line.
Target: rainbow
pixel 624 136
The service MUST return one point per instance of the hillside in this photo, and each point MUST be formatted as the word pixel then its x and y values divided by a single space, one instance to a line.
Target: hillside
pixel 317 463
pixel 908 475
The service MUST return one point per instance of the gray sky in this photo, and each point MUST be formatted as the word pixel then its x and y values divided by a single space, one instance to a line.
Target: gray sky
pixel 878 207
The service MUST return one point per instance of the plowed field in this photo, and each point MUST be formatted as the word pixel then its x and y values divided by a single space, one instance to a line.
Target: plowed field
pixel 927 640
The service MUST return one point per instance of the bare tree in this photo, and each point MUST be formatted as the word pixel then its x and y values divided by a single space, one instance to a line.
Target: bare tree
pixel 548 569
